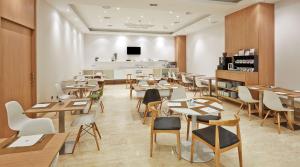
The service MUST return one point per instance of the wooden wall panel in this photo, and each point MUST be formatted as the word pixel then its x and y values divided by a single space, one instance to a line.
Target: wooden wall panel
pixel 266 44
pixel 180 53
pixel 253 27
pixel 19 11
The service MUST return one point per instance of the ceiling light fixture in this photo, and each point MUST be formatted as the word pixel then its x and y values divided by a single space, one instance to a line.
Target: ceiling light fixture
pixel 177 16
pixel 68 10
pixel 171 12
pixel 153 4
pixel 118 8
pixel 142 16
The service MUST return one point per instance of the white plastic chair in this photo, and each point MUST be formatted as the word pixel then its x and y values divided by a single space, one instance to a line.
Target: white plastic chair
pixel 87 122
pixel 200 86
pixel 178 93
pixel 15 115
pixel 164 93
pixel 60 93
pixel 39 126
pixel 185 82
pixel 273 102
pixel 247 99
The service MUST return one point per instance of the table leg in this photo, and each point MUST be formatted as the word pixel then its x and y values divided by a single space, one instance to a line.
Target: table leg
pixel 61 128
pixel 261 105
pixel 290 115
pixel 209 87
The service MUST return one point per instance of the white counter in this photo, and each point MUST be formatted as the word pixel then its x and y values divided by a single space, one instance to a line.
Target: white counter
pixel 126 64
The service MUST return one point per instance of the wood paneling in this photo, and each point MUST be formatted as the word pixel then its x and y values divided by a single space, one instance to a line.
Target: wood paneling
pixel 253 27
pixel 19 11
pixel 180 53
pixel 17 55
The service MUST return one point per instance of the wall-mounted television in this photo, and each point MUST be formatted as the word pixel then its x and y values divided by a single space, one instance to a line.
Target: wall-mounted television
pixel 133 50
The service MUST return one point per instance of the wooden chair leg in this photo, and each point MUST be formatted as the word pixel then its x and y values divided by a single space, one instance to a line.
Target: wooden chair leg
pixel 145 115
pixel 289 121
pixel 178 145
pixel 192 150
pixel 95 136
pixel 240 155
pixel 262 123
pixel 249 111
pixel 278 121
pixel 77 138
pixel 217 158
pixel 102 106
pixel 151 143
pixel 155 137
pixel 97 130
pixel 241 107
pixel 188 129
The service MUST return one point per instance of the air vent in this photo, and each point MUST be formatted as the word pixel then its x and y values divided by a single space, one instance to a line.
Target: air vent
pixel 138 26
pixel 228 1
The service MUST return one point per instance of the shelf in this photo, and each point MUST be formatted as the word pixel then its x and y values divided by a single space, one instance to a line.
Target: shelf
pixel 233 90
pixel 231 99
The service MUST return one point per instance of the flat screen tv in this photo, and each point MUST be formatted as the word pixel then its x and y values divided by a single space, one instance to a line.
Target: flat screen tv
pixel 133 50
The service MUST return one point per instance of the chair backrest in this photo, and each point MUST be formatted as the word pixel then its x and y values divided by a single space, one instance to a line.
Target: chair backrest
pixel 218 123
pixel 162 82
pixel 59 90
pixel 272 100
pixel 151 95
pixel 198 82
pixel 169 74
pixel 183 78
pixel 155 112
pixel 15 115
pixel 37 126
pixel 178 93
pixel 244 93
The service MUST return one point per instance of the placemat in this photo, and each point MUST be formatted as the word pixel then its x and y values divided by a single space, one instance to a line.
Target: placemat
pixel 49 106
pixel 71 103
pixel 4 149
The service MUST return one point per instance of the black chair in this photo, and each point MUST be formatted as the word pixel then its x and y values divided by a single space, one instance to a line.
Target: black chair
pixel 151 95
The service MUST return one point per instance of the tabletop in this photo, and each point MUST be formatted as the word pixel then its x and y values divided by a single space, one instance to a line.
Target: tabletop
pixel 156 86
pixel 198 107
pixel 37 158
pixel 58 107
pixel 277 90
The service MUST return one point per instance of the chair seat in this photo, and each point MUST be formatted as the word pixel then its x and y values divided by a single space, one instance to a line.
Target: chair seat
pixel 226 137
pixel 85 119
pixel 206 118
pixel 167 123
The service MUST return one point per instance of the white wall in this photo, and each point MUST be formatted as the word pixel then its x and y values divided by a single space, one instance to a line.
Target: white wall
pixel 59 50
pixel 104 46
pixel 287 42
pixel 204 49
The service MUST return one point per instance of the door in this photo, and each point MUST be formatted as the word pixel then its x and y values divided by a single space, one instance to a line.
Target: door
pixel 17 67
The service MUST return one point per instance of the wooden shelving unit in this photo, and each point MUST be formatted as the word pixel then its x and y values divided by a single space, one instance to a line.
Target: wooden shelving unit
pixel 243 78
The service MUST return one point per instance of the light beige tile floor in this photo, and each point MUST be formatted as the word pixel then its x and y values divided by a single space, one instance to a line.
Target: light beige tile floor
pixel 125 140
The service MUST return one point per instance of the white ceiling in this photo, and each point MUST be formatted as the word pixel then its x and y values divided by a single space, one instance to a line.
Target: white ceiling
pixel 169 17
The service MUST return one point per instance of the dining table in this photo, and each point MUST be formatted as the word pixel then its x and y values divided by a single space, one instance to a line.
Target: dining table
pixel 291 95
pixel 61 108
pixel 80 87
pixel 144 88
pixel 195 107
pixel 37 155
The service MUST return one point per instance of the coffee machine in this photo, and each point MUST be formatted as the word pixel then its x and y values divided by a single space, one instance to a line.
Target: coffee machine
pixel 224 61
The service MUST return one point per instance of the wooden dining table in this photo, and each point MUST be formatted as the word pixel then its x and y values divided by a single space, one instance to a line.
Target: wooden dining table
pixel 61 108
pixel 290 94
pixel 39 155
pixel 81 88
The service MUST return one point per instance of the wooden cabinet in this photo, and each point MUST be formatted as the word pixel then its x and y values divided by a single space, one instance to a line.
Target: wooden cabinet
pixel 253 27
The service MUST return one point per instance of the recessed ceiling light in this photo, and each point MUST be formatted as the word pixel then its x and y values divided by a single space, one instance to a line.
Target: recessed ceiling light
pixel 106 7
pixel 171 12
pixel 68 10
pixel 153 4
pixel 118 8
pixel 128 18
pixel 142 16
pixel 177 16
